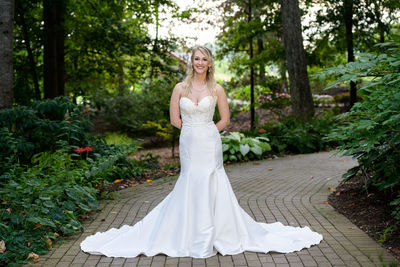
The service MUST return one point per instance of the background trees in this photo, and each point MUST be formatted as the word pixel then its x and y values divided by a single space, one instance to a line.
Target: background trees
pixel 89 47
pixel 352 26
pixel 93 49
pixel 250 39
pixel 334 31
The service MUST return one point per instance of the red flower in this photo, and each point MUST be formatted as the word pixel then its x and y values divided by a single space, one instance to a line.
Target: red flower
pixel 79 150
pixel 262 130
pixel 83 149
pixel 89 149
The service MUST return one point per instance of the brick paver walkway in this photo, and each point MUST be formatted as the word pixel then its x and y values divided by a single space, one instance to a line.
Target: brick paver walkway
pixel 292 190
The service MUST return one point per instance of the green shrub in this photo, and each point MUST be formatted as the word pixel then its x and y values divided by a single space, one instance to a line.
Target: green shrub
pixel 45 200
pixel 45 125
pixel 243 92
pixel 371 129
pixel 52 170
pixel 150 102
pixel 111 164
pixel 237 147
pixel 40 203
pixel 169 133
pixel 297 136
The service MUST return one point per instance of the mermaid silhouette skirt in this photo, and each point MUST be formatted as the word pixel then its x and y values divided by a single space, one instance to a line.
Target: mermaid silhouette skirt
pixel 201 215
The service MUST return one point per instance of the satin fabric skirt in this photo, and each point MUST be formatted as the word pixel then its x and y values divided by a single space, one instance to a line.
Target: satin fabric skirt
pixel 201 215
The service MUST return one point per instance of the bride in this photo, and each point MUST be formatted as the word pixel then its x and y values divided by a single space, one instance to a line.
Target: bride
pixel 201 215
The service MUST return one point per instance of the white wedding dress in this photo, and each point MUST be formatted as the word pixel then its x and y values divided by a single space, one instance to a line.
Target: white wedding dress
pixel 201 215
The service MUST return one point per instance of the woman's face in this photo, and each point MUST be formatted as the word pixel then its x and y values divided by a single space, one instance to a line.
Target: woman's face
pixel 200 62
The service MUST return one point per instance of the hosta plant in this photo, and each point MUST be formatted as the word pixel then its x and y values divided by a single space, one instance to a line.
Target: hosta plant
pixel 238 147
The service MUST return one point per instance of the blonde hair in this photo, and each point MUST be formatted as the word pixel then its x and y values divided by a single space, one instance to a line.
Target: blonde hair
pixel 210 79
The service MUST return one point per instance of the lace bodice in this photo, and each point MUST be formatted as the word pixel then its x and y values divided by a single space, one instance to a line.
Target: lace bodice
pixel 201 113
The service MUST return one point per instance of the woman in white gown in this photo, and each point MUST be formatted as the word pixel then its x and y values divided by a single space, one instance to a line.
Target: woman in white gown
pixel 201 215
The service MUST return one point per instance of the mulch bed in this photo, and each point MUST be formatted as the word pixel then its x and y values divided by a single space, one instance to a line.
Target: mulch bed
pixel 369 210
pixel 148 177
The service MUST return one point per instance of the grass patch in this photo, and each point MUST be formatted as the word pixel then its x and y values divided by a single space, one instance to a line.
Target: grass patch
pixel 118 138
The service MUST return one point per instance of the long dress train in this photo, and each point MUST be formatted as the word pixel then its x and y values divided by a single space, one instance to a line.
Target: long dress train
pixel 201 215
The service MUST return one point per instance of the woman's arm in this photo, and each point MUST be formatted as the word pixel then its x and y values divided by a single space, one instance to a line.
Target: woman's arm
pixel 223 109
pixel 174 112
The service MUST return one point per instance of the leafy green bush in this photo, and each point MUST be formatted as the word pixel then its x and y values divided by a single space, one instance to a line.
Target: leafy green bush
pixel 45 125
pixel 150 102
pixel 371 129
pixel 110 164
pixel 52 169
pixel 44 201
pixel 243 92
pixel 297 136
pixel 237 147
pixel 169 133
pixel 40 203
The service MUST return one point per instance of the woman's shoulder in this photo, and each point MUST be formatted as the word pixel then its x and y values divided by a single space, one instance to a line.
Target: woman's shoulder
pixel 219 89
pixel 178 87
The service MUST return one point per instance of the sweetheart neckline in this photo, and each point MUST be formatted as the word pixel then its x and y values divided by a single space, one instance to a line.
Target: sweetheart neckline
pixel 198 101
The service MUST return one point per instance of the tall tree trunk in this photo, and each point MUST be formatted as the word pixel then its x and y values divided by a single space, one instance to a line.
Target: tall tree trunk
pixel 30 54
pixel 6 53
pixel 381 25
pixel 300 92
pixel 60 42
pixel 260 48
pixel 252 111
pixel 381 33
pixel 121 82
pixel 348 20
pixel 54 29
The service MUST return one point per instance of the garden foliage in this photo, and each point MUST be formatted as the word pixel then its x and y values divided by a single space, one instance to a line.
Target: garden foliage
pixel 296 136
pixel 238 147
pixel 371 129
pixel 52 171
pixel 43 126
pixel 149 102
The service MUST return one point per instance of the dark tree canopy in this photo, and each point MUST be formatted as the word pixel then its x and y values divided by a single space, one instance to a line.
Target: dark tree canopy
pixel 90 47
